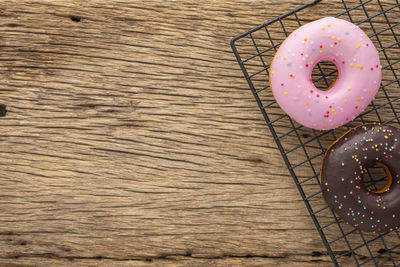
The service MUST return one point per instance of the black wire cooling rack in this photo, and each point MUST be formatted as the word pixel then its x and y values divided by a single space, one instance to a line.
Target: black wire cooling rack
pixel 302 149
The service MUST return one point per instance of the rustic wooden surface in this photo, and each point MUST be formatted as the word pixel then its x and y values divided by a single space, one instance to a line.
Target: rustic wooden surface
pixel 131 139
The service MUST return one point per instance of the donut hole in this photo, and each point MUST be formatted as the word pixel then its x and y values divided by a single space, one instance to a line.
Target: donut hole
pixel 324 75
pixel 377 178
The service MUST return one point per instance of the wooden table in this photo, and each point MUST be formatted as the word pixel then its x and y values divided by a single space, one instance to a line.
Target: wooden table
pixel 132 139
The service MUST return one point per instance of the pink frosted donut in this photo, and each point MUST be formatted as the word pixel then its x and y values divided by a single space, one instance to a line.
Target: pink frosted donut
pixel 357 62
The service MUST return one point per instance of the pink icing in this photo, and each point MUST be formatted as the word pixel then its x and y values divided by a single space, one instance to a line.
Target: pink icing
pixel 359 73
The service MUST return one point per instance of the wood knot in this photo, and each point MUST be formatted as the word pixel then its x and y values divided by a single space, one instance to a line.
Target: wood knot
pixel 75 18
pixel 3 110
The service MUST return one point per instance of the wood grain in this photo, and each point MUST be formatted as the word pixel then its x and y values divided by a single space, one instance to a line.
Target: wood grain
pixel 132 139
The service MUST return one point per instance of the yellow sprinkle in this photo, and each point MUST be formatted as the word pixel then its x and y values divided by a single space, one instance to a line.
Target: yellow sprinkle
pixel 358 99
pixel 345 149
pixel 369 91
pixel 310 58
pixel 272 72
pixel 323 28
pixel 284 58
pixel 379 205
pixel 345 101
pixel 286 93
pixel 344 196
pixel 360 67
pixel 386 137
pixel 349 89
pixel 363 216
pixel 277 56
pixel 329 25
pixel 333 37
pixel 366 35
pixel 320 51
pixel 391 229
pixel 334 114
pixel 308 103
pixel 340 40
pixel 385 225
pixel 351 64
pixel 308 86
pixel 351 192
pixel 305 39
pixel 327 189
pixel 358 46
pixel 332 110
pixel 342 179
pixel 326 183
pixel 357 149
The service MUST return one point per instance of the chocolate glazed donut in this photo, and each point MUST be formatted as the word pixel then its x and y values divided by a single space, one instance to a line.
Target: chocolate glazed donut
pixel 342 171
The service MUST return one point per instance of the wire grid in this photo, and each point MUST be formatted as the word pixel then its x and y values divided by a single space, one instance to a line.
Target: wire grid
pixel 302 148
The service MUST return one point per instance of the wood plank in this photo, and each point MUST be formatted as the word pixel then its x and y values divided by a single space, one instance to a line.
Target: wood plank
pixel 131 138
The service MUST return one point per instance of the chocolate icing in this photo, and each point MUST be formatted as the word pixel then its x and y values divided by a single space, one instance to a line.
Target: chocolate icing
pixel 343 167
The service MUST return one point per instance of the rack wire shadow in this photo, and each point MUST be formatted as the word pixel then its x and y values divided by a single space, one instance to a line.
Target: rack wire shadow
pixel 302 149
